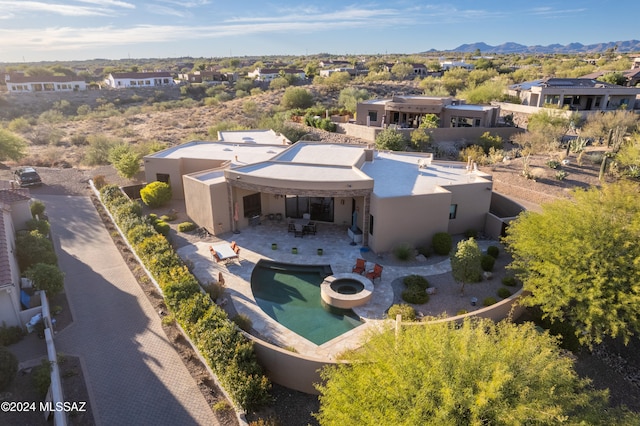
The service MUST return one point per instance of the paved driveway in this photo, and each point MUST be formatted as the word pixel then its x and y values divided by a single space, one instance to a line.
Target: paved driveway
pixel 133 374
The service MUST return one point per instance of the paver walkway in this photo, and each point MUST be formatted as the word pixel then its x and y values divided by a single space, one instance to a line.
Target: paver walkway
pixel 133 374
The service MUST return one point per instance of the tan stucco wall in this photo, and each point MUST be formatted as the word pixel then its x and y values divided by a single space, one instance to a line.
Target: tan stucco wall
pixel 175 168
pixel 20 214
pixel 473 202
pixel 411 220
pixel 198 202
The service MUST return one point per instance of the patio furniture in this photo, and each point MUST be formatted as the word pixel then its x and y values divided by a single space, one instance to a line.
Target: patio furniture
pixel 223 253
pixel 292 226
pixel 306 216
pixel 309 228
pixel 214 255
pixel 298 231
pixel 279 217
pixel 360 266
pixel 375 273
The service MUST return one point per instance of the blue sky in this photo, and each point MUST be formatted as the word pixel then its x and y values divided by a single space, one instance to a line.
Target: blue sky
pixel 42 30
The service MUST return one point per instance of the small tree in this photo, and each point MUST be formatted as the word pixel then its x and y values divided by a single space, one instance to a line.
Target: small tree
pixel 37 208
pixel 461 374
pixel 421 140
pixel 128 165
pixel 429 121
pixel 156 194
pixel 46 277
pixel 12 146
pixel 390 139
pixel 351 96
pixel 402 70
pixel 466 264
pixel 296 97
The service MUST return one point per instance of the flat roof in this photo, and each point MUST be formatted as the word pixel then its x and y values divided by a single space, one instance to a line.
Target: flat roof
pixel 237 154
pixel 397 175
pixel 265 136
pixel 303 172
pixel 469 107
pixel 323 153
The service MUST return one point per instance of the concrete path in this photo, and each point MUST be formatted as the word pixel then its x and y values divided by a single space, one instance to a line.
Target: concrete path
pixel 133 374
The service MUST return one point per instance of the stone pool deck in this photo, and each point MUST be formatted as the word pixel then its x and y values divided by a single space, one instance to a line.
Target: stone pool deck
pixel 256 243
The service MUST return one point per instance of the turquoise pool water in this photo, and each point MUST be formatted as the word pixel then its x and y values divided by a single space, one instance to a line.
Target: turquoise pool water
pixel 290 294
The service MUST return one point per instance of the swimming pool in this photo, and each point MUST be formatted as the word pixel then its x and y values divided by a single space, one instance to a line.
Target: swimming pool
pixel 290 294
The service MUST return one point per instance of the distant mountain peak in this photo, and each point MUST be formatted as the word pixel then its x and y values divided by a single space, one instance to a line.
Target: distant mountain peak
pixel 575 47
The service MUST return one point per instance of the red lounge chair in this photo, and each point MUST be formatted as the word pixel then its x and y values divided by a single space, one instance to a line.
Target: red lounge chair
pixel 360 267
pixel 376 273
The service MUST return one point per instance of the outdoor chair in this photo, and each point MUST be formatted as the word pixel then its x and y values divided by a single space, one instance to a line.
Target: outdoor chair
pixel 310 228
pixel 360 266
pixel 234 245
pixel 376 273
pixel 236 249
pixel 298 231
pixel 292 227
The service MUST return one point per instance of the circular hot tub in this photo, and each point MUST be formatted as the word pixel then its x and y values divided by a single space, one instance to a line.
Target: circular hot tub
pixel 346 291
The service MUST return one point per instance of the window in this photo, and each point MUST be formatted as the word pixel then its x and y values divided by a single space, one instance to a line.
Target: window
pixel 373 116
pixel 162 177
pixel 598 100
pixel 370 224
pixel 252 205
pixel 477 123
pixel 453 211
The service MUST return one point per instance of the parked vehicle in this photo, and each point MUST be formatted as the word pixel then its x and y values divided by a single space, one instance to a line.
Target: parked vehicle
pixel 27 176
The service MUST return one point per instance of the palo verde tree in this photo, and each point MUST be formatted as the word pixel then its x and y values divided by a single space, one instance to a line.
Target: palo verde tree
pixel 466 264
pixel 580 261
pixel 460 374
pixel 12 146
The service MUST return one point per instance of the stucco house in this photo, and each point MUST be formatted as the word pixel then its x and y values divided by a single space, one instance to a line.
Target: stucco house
pixel 20 83
pixel 407 111
pixel 14 212
pixel 121 80
pixel 391 197
pixel 268 74
pixel 578 94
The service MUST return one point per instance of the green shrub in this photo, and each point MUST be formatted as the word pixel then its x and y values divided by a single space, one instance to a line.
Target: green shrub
pixel 140 232
pixel 186 226
pixel 296 97
pixel 560 175
pixel 46 277
pixel 487 262
pixel 33 247
pixel 10 334
pixel 243 322
pixel 417 281
pixel 553 164
pixel 42 226
pixel 42 377
pixel 162 227
pixel 493 251
pixel 110 193
pixel 407 312
pixel 169 217
pixel 214 290
pixel 504 292
pixel 156 194
pixel 442 243
pixel 403 252
pixel 8 367
pixel 37 208
pixel 153 218
pixel 191 309
pixel 488 301
pixel 390 139
pixel 509 281
pixel 415 295
pixel 462 312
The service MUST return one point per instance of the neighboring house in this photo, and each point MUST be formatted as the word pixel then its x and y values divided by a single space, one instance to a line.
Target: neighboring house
pixel 213 77
pixel 326 73
pixel 449 65
pixel 14 212
pixel 268 74
pixel 391 197
pixel 335 63
pixel 632 76
pixel 407 111
pixel 578 94
pixel 121 80
pixel 20 83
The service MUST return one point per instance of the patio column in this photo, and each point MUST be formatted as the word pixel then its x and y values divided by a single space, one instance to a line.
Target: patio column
pixel 365 220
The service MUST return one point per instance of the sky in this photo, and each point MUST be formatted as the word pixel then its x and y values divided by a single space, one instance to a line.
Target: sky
pixel 66 30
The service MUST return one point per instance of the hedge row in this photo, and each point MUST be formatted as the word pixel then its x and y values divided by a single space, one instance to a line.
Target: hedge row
pixel 229 354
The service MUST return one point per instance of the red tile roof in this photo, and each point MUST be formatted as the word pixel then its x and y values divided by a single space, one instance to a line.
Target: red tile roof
pixel 5 264
pixel 21 78
pixel 9 196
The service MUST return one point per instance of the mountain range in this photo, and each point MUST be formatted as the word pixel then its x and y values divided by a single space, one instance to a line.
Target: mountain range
pixel 510 47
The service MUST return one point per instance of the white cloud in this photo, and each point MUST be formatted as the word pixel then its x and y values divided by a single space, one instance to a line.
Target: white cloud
pixel 167 11
pixel 107 3
pixel 60 9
